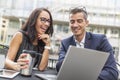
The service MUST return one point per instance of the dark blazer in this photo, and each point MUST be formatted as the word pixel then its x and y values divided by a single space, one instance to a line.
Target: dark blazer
pixel 97 42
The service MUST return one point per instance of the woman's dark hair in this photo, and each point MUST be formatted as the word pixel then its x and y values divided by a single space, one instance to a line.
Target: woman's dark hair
pixel 29 26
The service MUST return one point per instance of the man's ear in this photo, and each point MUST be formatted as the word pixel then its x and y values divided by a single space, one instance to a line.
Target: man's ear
pixel 87 22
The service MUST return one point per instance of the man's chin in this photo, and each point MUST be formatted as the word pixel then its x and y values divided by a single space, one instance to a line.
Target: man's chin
pixel 76 34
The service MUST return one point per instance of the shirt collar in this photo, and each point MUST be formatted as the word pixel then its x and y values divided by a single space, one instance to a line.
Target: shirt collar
pixel 80 43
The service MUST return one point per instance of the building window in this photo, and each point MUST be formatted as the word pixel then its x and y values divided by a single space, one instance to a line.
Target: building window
pixel 62 28
pixel 65 29
pixel 9 37
pixel 116 52
pixel 90 29
pixel 114 31
pixel 4 21
pixel 14 24
pixel 2 35
pixel 3 26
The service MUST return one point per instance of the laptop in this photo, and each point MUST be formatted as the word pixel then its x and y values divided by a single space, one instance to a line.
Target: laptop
pixel 79 64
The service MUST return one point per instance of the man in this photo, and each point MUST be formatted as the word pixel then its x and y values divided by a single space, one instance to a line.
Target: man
pixel 81 38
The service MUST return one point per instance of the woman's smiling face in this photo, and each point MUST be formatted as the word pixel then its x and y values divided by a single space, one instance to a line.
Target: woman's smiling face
pixel 43 22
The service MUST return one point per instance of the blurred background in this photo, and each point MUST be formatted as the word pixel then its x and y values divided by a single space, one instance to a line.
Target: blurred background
pixel 103 15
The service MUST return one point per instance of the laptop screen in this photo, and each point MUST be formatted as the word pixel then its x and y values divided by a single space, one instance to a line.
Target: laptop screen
pixel 82 64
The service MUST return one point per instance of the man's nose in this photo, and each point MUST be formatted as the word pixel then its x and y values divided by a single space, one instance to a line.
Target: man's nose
pixel 75 23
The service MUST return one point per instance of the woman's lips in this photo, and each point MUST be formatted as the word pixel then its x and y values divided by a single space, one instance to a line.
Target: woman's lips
pixel 43 29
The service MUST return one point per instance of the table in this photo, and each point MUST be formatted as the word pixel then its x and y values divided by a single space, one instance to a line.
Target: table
pixel 33 77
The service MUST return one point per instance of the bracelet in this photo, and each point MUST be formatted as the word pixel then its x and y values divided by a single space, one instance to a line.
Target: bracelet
pixel 47 47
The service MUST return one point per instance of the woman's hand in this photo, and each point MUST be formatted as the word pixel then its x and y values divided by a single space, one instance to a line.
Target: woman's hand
pixel 22 62
pixel 45 38
pixel 45 56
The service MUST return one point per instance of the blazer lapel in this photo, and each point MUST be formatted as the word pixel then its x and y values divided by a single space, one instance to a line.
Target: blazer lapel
pixel 87 40
pixel 72 41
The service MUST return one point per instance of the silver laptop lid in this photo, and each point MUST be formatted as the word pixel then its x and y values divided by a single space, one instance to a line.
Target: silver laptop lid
pixel 82 64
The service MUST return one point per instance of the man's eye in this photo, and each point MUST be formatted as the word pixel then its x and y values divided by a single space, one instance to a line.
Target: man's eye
pixel 72 21
pixel 79 20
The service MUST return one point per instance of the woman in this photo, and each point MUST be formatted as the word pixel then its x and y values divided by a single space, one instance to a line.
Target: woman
pixel 34 35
